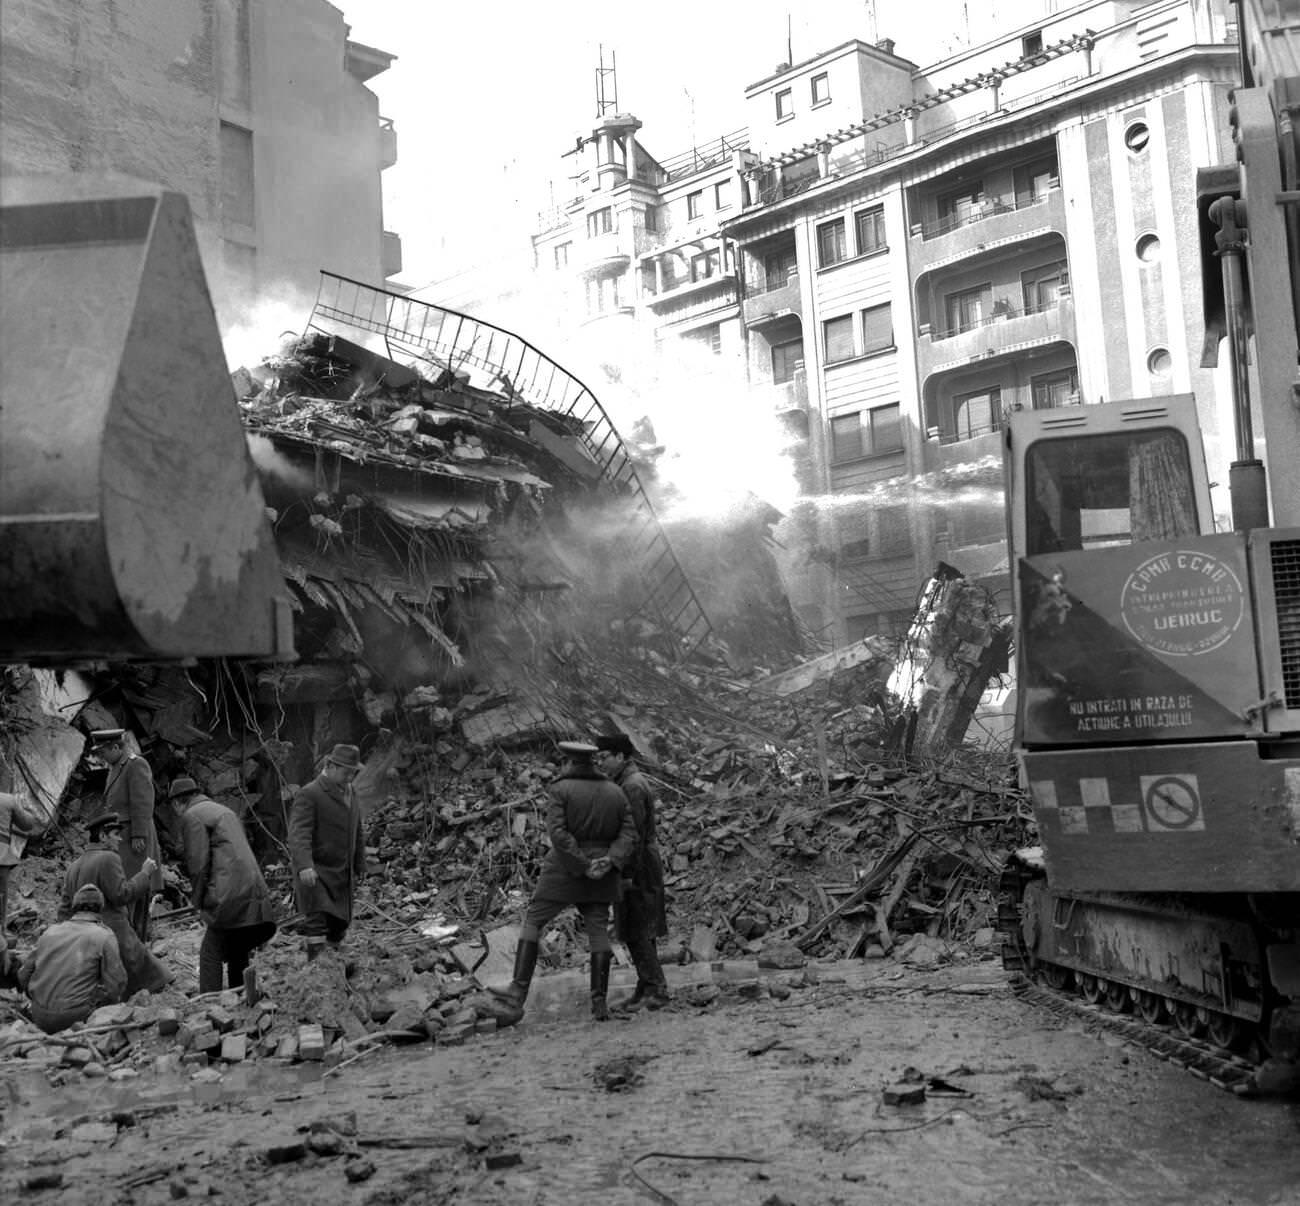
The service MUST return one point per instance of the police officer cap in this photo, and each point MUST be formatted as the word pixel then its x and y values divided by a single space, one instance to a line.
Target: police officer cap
pixel 104 820
pixel 578 749
pixel 107 736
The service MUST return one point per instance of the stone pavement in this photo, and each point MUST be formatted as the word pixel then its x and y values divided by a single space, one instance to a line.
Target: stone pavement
pixel 750 1099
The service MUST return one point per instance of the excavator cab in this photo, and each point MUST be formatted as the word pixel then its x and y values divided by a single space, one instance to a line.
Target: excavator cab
pixel 132 524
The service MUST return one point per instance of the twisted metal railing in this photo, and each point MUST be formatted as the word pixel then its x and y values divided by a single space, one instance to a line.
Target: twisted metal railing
pixel 452 339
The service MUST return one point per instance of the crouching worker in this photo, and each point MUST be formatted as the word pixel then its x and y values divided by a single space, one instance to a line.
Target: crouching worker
pixel 75 967
pixel 592 838
pixel 229 891
pixel 101 865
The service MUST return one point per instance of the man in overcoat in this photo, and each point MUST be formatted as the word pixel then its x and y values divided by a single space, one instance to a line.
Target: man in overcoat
pixel 640 917
pixel 228 889
pixel 129 791
pixel 327 849
pixel 15 818
pixel 74 967
pixel 101 866
pixel 592 839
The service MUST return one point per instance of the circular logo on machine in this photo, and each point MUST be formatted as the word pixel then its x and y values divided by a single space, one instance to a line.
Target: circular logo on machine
pixel 1183 603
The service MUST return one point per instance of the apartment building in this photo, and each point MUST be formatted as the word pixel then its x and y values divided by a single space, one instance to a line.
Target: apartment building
pixel 1013 227
pixel 256 109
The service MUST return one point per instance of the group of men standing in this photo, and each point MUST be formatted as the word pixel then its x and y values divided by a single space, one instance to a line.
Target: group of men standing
pixel 604 853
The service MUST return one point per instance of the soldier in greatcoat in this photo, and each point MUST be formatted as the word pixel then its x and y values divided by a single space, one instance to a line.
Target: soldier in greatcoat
pixel 101 866
pixel 592 839
pixel 228 889
pixel 327 848
pixel 640 917
pixel 129 792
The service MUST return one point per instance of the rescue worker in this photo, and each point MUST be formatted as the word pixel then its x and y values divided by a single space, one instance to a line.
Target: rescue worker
pixel 592 839
pixel 640 917
pixel 327 849
pixel 129 792
pixel 74 967
pixel 228 889
pixel 101 866
pixel 15 818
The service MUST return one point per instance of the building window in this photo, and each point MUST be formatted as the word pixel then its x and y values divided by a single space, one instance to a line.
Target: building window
pixel 695 204
pixel 870 227
pixel 778 268
pixel 1032 181
pixel 784 104
pixel 821 89
pixel 706 337
pixel 651 220
pixel 237 205
pixel 722 194
pixel 956 208
pixel 1050 390
pixel 1159 362
pixel 787 359
pixel 599 222
pixel 977 413
pixel 866 433
pixel 1148 248
pixel 968 309
pixel 877 329
pixel 1031 44
pixel 831 247
pixel 561 251
pixel 838 338
pixel 705 265
pixel 1044 287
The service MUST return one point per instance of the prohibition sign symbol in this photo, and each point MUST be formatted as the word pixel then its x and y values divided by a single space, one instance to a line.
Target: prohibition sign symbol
pixel 1172 803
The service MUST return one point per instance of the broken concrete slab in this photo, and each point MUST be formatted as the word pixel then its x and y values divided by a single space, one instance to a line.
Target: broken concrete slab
pixel 869 649
pixel 499 964
pixel 510 723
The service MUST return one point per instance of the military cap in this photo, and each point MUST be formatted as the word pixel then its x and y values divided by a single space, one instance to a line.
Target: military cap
pixel 106 736
pixel 617 743
pixel 578 749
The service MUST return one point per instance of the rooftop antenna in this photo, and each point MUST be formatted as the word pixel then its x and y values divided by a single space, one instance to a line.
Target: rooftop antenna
pixel 873 31
pixel 789 40
pixel 606 84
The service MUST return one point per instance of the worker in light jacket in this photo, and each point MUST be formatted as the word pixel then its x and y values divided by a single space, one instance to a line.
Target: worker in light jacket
pixel 227 886
pixel 129 791
pixel 101 867
pixel 74 967
pixel 592 840
pixel 640 917
pixel 327 849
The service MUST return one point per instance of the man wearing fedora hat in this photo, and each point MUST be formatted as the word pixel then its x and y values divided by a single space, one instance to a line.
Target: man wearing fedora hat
pixel 639 917
pixel 74 967
pixel 327 849
pixel 129 791
pixel 592 839
pixel 100 866
pixel 228 889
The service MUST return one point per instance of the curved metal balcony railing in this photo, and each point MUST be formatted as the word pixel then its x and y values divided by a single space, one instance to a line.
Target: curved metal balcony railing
pixel 451 340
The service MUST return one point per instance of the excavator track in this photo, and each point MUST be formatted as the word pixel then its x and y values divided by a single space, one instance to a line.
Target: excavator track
pixel 1206 1061
pixel 1222 1069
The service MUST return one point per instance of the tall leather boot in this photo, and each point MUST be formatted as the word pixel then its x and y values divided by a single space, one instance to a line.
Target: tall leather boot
pixel 516 992
pixel 601 962
pixel 314 948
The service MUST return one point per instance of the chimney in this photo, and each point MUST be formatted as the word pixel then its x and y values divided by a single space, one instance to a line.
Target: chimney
pixel 886 44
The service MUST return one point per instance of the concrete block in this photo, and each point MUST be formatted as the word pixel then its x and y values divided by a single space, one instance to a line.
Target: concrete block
pixel 222 1020
pixel 287 1047
pixel 234 1048
pixel 311 1042
pixel 110 1015
pixel 169 1021
pixel 208 1041
pixel 904 1093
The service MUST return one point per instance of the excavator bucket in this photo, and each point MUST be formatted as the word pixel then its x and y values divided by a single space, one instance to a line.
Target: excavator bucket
pixel 132 524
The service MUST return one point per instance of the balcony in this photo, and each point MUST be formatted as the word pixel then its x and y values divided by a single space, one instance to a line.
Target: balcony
pixel 790 396
pixel 600 255
pixel 999 220
pixel 392 253
pixel 1009 332
pixel 721 283
pixel 775 298
pixel 387 143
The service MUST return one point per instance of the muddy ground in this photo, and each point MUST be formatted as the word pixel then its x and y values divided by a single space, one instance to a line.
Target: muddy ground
pixel 774 1100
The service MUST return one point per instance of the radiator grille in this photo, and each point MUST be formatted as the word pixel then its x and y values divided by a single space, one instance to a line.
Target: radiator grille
pixel 1286 592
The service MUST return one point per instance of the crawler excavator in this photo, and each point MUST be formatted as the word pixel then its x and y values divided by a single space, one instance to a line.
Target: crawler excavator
pixel 1158 725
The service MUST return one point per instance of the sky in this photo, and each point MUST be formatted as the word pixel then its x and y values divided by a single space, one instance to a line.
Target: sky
pixel 488 96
